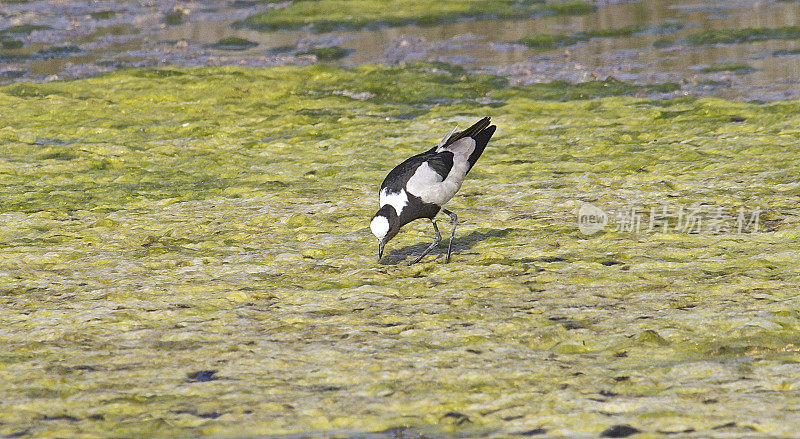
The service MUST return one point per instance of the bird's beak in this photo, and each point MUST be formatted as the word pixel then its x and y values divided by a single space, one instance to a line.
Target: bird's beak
pixel 381 243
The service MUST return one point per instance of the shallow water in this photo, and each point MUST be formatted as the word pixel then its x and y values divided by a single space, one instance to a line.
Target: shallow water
pixel 186 252
pixel 137 35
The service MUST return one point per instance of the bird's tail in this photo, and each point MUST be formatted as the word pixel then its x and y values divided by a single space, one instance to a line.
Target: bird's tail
pixel 472 131
pixel 481 137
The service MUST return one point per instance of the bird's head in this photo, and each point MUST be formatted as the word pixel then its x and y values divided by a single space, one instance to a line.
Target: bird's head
pixel 384 225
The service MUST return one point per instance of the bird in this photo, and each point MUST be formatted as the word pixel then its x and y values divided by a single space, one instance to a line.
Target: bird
pixel 420 186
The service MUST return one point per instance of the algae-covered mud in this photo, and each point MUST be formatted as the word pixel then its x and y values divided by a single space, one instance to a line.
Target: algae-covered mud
pixel 326 15
pixel 187 252
pixel 530 41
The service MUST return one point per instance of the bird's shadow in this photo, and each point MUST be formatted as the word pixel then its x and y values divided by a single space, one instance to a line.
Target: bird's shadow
pixel 460 243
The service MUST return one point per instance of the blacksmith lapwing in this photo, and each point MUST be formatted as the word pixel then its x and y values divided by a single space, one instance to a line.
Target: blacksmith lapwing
pixel 420 186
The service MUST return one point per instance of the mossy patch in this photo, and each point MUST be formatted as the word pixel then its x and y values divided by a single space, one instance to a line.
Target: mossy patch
pixel 12 56
pixel 736 67
pixel 732 36
pixel 328 53
pixel 57 51
pixel 175 16
pixel 563 91
pixel 103 15
pixel 327 15
pixel 233 43
pixel 547 41
pixel 187 252
pixel 663 42
pixel 23 29
pixel 8 43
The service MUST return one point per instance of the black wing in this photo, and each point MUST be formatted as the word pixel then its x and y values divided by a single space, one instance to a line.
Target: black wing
pixel 441 162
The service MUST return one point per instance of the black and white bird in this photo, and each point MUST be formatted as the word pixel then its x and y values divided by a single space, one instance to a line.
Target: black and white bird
pixel 420 186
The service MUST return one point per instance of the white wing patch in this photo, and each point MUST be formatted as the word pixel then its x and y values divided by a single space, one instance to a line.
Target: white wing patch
pixel 398 200
pixel 427 184
pixel 423 179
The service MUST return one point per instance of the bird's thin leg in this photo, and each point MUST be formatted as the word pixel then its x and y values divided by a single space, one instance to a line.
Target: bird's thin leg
pixel 453 223
pixel 436 240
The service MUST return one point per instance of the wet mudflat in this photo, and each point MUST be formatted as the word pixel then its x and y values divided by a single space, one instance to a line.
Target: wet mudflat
pixel 186 249
pixel 187 252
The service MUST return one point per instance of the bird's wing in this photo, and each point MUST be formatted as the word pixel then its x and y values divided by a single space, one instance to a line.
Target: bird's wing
pixel 441 162
pixel 437 166
pixel 396 180
pixel 427 180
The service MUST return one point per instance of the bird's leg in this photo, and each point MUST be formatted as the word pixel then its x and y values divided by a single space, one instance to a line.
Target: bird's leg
pixel 436 240
pixel 453 223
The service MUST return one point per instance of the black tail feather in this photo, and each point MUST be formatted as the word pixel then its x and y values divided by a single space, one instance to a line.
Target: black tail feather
pixel 472 131
pixel 481 139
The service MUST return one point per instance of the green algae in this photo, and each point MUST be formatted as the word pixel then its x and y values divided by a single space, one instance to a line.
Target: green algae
pixel 732 36
pixel 543 41
pixel 186 252
pixel 12 57
pixel 737 67
pixel 175 16
pixel 9 43
pixel 328 53
pixel 327 15
pixel 57 51
pixel 103 15
pixel 23 29
pixel 563 91
pixel 549 41
pixel 233 43
pixel 568 8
